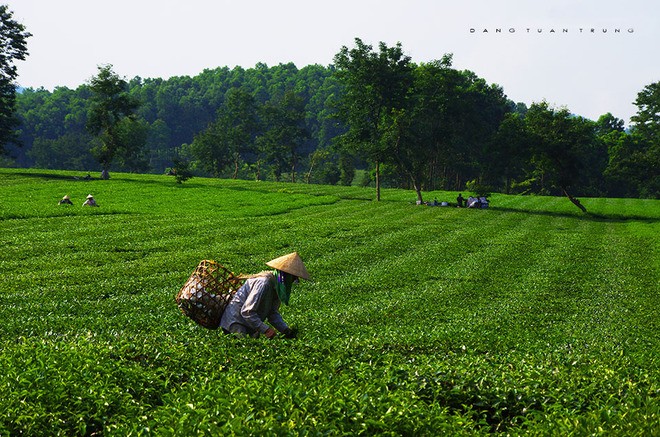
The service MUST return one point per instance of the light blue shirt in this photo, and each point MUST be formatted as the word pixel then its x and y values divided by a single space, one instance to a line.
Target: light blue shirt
pixel 253 303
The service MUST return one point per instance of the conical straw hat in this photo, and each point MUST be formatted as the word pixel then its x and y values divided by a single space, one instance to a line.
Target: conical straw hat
pixel 89 196
pixel 291 263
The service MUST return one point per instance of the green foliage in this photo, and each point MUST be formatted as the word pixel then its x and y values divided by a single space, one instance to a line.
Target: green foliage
pixel 13 47
pixel 557 137
pixel 478 188
pixel 110 118
pixel 643 164
pixel 438 126
pixel 181 170
pixel 375 86
pixel 524 318
pixel 231 136
pixel 283 133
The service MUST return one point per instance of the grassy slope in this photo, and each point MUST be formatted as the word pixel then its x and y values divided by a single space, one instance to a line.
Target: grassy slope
pixel 529 316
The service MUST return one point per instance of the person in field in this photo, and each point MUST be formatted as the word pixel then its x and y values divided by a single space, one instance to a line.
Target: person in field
pixel 66 200
pixel 90 201
pixel 259 299
pixel 459 200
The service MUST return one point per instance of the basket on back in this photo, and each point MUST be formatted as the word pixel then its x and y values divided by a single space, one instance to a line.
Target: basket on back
pixel 206 294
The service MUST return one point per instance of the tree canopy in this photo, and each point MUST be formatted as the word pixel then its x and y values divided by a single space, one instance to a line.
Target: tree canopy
pixel 375 86
pixel 111 118
pixel 13 47
pixel 374 117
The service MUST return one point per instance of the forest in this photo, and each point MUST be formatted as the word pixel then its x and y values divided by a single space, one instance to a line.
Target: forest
pixel 422 126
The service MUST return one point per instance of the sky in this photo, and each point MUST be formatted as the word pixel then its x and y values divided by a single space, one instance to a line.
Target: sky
pixel 536 50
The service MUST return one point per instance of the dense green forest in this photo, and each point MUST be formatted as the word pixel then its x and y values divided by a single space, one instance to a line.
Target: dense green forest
pixel 172 112
pixel 422 126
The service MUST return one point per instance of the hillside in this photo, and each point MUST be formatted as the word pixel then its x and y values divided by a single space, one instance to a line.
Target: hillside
pixel 527 317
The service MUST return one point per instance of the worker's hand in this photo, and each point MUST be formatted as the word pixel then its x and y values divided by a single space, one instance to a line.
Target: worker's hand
pixel 270 333
pixel 291 333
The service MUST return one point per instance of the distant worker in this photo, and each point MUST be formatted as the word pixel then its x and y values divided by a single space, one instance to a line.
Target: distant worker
pixel 66 200
pixel 260 298
pixel 90 201
pixel 459 200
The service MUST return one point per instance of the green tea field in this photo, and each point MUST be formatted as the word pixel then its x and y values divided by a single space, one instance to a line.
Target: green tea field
pixel 526 318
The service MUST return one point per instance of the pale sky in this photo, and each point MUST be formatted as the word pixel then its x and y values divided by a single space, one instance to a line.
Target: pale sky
pixel 566 64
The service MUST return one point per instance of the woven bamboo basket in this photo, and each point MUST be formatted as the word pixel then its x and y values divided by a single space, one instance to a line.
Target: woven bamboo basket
pixel 206 294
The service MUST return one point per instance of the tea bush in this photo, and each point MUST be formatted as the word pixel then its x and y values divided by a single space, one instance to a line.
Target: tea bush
pixel 525 318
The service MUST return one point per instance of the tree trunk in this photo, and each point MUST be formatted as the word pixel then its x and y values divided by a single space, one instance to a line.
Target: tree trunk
pixel 378 181
pixel 575 201
pixel 308 176
pixel 431 176
pixel 418 190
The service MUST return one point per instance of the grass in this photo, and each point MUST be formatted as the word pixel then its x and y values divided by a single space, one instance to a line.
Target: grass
pixel 526 318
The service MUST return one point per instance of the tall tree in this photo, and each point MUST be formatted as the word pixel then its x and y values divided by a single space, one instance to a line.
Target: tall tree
pixel 558 138
pixel 375 85
pixel 284 133
pixel 423 131
pixel 647 131
pixel 626 157
pixel 481 109
pixel 132 155
pixel 226 141
pixel 609 123
pixel 13 47
pixel 111 104
pixel 449 117
pixel 509 150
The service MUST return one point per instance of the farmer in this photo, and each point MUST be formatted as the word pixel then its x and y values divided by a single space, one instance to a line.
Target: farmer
pixel 66 200
pixel 260 297
pixel 459 200
pixel 90 201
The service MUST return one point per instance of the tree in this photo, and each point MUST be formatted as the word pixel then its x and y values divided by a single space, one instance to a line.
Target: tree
pixel 481 109
pixel 558 138
pixel 132 154
pixel 227 139
pixel 647 119
pixel 13 47
pixel 283 133
pixel 608 123
pixel 181 170
pixel 110 105
pixel 70 151
pixel 448 118
pixel 158 144
pixel 646 130
pixel 421 130
pixel 625 159
pixel 509 150
pixel 375 85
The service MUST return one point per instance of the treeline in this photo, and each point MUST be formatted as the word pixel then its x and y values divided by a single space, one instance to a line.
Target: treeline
pixel 53 125
pixel 422 126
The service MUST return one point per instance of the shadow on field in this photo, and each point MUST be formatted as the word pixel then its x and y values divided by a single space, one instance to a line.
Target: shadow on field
pixel 56 176
pixel 291 191
pixel 580 216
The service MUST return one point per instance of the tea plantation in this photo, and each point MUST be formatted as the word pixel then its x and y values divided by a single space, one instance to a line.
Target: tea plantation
pixel 529 317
